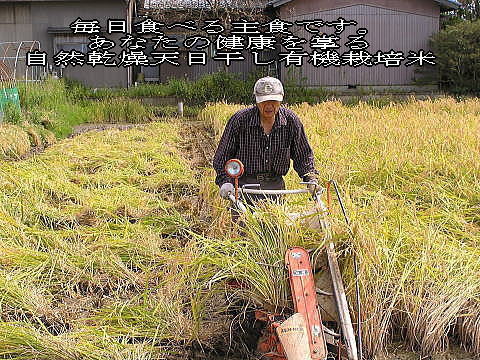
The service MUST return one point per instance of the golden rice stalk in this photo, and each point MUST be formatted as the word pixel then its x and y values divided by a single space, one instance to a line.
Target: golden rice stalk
pixel 14 142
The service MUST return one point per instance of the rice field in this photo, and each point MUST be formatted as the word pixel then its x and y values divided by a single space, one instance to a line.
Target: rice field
pixel 50 111
pixel 410 173
pixel 90 231
pixel 115 244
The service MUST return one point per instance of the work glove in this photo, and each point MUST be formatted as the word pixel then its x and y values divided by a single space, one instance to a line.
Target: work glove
pixel 312 178
pixel 226 189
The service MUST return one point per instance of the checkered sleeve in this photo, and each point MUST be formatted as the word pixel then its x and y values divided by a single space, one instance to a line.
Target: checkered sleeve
pixel 227 148
pixel 301 151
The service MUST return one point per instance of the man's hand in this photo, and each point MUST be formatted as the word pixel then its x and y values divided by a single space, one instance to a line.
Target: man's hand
pixel 226 189
pixel 313 187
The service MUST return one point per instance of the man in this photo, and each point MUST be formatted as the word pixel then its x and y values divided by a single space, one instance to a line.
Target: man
pixel 264 137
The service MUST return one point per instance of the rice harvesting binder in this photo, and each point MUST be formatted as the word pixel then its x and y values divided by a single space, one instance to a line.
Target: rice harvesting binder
pixel 304 296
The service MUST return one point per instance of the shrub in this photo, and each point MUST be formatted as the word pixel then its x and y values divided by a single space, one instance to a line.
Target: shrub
pixel 457 48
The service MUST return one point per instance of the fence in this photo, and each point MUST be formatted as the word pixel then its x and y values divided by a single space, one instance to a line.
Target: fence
pixel 13 69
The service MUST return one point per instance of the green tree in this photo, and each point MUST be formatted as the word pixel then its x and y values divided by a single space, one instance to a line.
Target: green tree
pixel 457 48
pixel 470 9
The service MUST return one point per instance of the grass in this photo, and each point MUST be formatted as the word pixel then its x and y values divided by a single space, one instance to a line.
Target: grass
pixel 57 106
pixel 50 111
pixel 218 86
pixel 410 174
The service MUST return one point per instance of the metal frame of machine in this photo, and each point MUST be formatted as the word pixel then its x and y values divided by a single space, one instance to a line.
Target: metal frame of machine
pixel 303 336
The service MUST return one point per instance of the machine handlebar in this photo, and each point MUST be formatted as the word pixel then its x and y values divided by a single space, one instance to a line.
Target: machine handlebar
pixel 273 192
pixel 245 190
pixel 240 205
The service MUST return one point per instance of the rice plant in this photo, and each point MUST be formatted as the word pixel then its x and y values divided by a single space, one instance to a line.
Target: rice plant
pixel 88 231
pixel 254 255
pixel 114 247
pixel 410 175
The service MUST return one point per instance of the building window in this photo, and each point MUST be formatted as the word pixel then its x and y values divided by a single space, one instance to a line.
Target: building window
pixel 82 47
pixel 68 42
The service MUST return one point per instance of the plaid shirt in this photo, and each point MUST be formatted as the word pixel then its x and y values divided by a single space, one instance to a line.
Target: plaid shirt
pixel 244 139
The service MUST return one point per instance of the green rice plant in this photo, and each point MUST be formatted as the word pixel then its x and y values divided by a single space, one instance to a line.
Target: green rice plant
pixel 66 264
pixel 160 319
pixel 111 220
pixel 101 223
pixel 39 136
pixel 98 344
pixel 174 308
pixel 20 340
pixel 120 111
pixel 211 209
pixel 103 258
pixel 118 179
pixel 217 114
pixel 468 326
pixel 24 299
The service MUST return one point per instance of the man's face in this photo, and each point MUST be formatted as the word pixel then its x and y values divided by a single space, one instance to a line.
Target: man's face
pixel 268 109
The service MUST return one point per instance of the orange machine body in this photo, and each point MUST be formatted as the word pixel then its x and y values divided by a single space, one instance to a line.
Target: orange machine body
pixel 305 298
pixel 302 286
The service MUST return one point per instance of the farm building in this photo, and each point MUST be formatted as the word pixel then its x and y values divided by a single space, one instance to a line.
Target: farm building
pixel 48 24
pixel 399 25
pixel 179 10
pixel 393 26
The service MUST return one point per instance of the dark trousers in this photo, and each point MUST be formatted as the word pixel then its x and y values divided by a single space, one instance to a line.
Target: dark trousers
pixel 250 199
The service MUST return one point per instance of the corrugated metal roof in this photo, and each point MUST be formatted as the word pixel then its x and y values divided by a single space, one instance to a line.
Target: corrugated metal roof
pixel 125 1
pixel 450 4
pixel 202 4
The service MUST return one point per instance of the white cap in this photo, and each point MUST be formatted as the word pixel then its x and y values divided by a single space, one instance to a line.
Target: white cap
pixel 268 88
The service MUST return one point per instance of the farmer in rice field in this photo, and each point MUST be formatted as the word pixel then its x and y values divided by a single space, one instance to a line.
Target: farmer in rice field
pixel 264 137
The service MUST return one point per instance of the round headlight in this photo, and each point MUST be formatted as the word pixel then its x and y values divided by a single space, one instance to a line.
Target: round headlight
pixel 234 168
